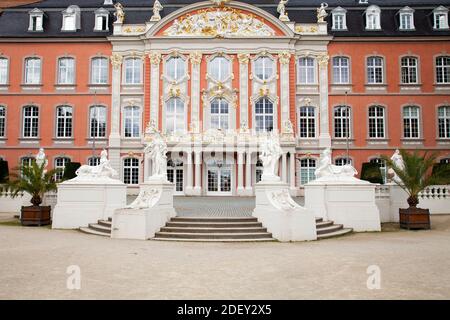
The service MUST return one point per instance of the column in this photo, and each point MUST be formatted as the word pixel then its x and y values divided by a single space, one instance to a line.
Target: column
pixel 146 167
pixel 198 173
pixel 114 137
pixel 248 174
pixel 240 188
pixel 285 59
pixel 189 187
pixel 243 87
pixel 284 167
pixel 155 60
pixel 324 137
pixel 196 59
pixel 292 162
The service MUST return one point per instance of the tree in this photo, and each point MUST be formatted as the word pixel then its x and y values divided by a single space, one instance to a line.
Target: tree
pixel 32 179
pixel 418 173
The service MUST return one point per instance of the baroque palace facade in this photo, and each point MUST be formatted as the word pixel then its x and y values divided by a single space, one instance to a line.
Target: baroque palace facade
pixel 360 77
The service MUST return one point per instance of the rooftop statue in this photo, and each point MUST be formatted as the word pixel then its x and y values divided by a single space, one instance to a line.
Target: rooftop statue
pixel 322 12
pixel 157 7
pixel 281 9
pixel 119 14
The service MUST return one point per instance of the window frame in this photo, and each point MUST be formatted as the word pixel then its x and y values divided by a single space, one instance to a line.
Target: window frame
pixel 339 12
pixel 229 68
pixel 340 68
pixel 90 136
pixel 25 71
pixel 65 118
pixel 440 11
pixel 343 122
pixel 92 73
pixel 305 69
pixel 373 11
pixel 265 115
pixel 58 176
pixel 374 67
pixel 7 66
pixel 409 67
pixel 175 116
pixel 124 75
pixel 31 122
pixel 446 119
pixel 177 78
pixel 133 167
pixel 266 77
pixel 406 12
pixel 220 115
pixel 377 118
pixel 5 121
pixel 310 169
pixel 38 14
pixel 101 13
pixel 307 119
pixel 133 122
pixel 67 73
pixel 409 117
pixel 445 69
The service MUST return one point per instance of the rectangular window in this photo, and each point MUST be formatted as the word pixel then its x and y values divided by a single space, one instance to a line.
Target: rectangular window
pixel 2 121
pixel 99 71
pixel 338 22
pixel 69 23
pixel 101 23
pixel 411 122
pixel 307 170
pixel 98 122
pixel 341 70
pixel 66 71
pixel 64 122
pixel 409 70
pixel 306 71
pixel 375 70
pixel 443 70
pixel 307 122
pixel 133 71
pixel 444 122
pixel 376 122
pixel 3 71
pixel 132 118
pixel 440 21
pixel 342 122
pixel 33 71
pixel 131 171
pixel 30 122
pixel 406 21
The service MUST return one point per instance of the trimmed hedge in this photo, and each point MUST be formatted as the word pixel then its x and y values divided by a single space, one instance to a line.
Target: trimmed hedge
pixel 70 169
pixel 4 171
pixel 371 172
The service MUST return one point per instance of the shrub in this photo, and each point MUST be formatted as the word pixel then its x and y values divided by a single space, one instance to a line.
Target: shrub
pixel 4 171
pixel 70 169
pixel 371 172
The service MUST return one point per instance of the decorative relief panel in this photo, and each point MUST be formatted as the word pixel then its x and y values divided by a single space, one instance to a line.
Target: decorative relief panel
pixel 175 88
pixel 219 22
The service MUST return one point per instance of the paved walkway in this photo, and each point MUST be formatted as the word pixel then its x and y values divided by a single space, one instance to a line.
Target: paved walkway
pixel 413 265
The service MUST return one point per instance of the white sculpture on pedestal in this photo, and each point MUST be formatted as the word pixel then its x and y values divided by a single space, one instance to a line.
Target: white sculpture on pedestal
pixel 157 7
pixel 145 199
pixel 103 171
pixel 157 150
pixel 322 12
pixel 270 156
pixel 119 14
pixel 329 172
pixel 398 161
pixel 281 9
pixel 41 159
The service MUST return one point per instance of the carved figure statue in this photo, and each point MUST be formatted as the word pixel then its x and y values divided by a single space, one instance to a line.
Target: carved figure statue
pixel 288 127
pixel 281 9
pixel 398 161
pixel 270 154
pixel 157 150
pixel 322 12
pixel 157 7
pixel 41 158
pixel 283 200
pixel 119 14
pixel 100 171
pixel 145 199
pixel 328 170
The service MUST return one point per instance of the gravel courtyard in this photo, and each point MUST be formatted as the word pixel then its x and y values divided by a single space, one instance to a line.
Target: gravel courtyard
pixel 414 265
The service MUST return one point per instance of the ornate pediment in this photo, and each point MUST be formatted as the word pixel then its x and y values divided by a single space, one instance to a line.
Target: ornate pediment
pixel 222 22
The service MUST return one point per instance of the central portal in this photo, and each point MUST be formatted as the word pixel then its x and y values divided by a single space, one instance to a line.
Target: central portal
pixel 219 178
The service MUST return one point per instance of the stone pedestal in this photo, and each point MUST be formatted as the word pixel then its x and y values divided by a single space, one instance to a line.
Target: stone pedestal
pixel 350 203
pixel 141 223
pixel 285 219
pixel 397 200
pixel 81 203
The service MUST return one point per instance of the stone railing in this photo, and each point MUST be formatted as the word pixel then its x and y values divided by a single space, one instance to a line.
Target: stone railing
pixel 435 193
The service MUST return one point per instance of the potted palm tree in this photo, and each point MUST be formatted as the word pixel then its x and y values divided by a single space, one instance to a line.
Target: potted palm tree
pixel 36 181
pixel 413 174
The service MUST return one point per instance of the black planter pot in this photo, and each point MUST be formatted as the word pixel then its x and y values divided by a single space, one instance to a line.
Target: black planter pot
pixel 36 216
pixel 415 218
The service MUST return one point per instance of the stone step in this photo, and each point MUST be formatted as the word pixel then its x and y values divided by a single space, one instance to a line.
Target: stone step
pixel 319 220
pixel 213 230
pixel 216 240
pixel 338 233
pixel 329 229
pixel 94 232
pixel 100 228
pixel 324 224
pixel 214 224
pixel 237 236
pixel 105 223
pixel 214 219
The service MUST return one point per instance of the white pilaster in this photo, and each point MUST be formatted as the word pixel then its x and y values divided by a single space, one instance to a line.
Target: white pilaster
pixel 293 189
pixel 243 89
pixel 324 137
pixel 198 175
pixel 155 61
pixel 196 59
pixel 114 137
pixel 284 167
pixel 190 174
pixel 285 59
pixel 240 164
pixel 248 173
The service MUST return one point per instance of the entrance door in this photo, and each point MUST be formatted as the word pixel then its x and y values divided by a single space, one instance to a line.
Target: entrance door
pixel 175 174
pixel 219 180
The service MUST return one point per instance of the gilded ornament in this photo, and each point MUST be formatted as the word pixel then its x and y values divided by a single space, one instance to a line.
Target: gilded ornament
pixel 243 58
pixel 285 57
pixel 155 58
pixel 116 60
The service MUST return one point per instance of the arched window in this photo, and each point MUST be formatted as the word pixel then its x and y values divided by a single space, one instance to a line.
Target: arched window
pixel 443 69
pixel 376 122
pixel 2 121
pixel 307 122
pixel 409 70
pixel 264 115
pixel 264 68
pixel 444 122
pixel 307 170
pixel 131 171
pixel 71 18
pixel 30 125
pixel 411 122
pixel 97 121
pixel 219 68
pixel 32 71
pixel 175 122
pixel 64 122
pixel 219 114
pixel 342 122
pixel 383 167
pixel 132 122
pixel 133 71
pixel 339 18
pixel 94 161
pixel 99 70
pixel 175 68
pixel 341 70
pixel 343 161
pixel 66 71
pixel 4 65
pixel 375 70
pixel 60 163
pixel 306 70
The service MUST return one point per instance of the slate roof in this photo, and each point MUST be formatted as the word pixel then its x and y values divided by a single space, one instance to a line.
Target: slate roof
pixel 14 21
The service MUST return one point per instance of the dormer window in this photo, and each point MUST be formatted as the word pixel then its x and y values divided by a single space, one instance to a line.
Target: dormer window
pixel 339 18
pixel 71 19
pixel 373 14
pixel 101 20
pixel 36 20
pixel 440 15
pixel 406 19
